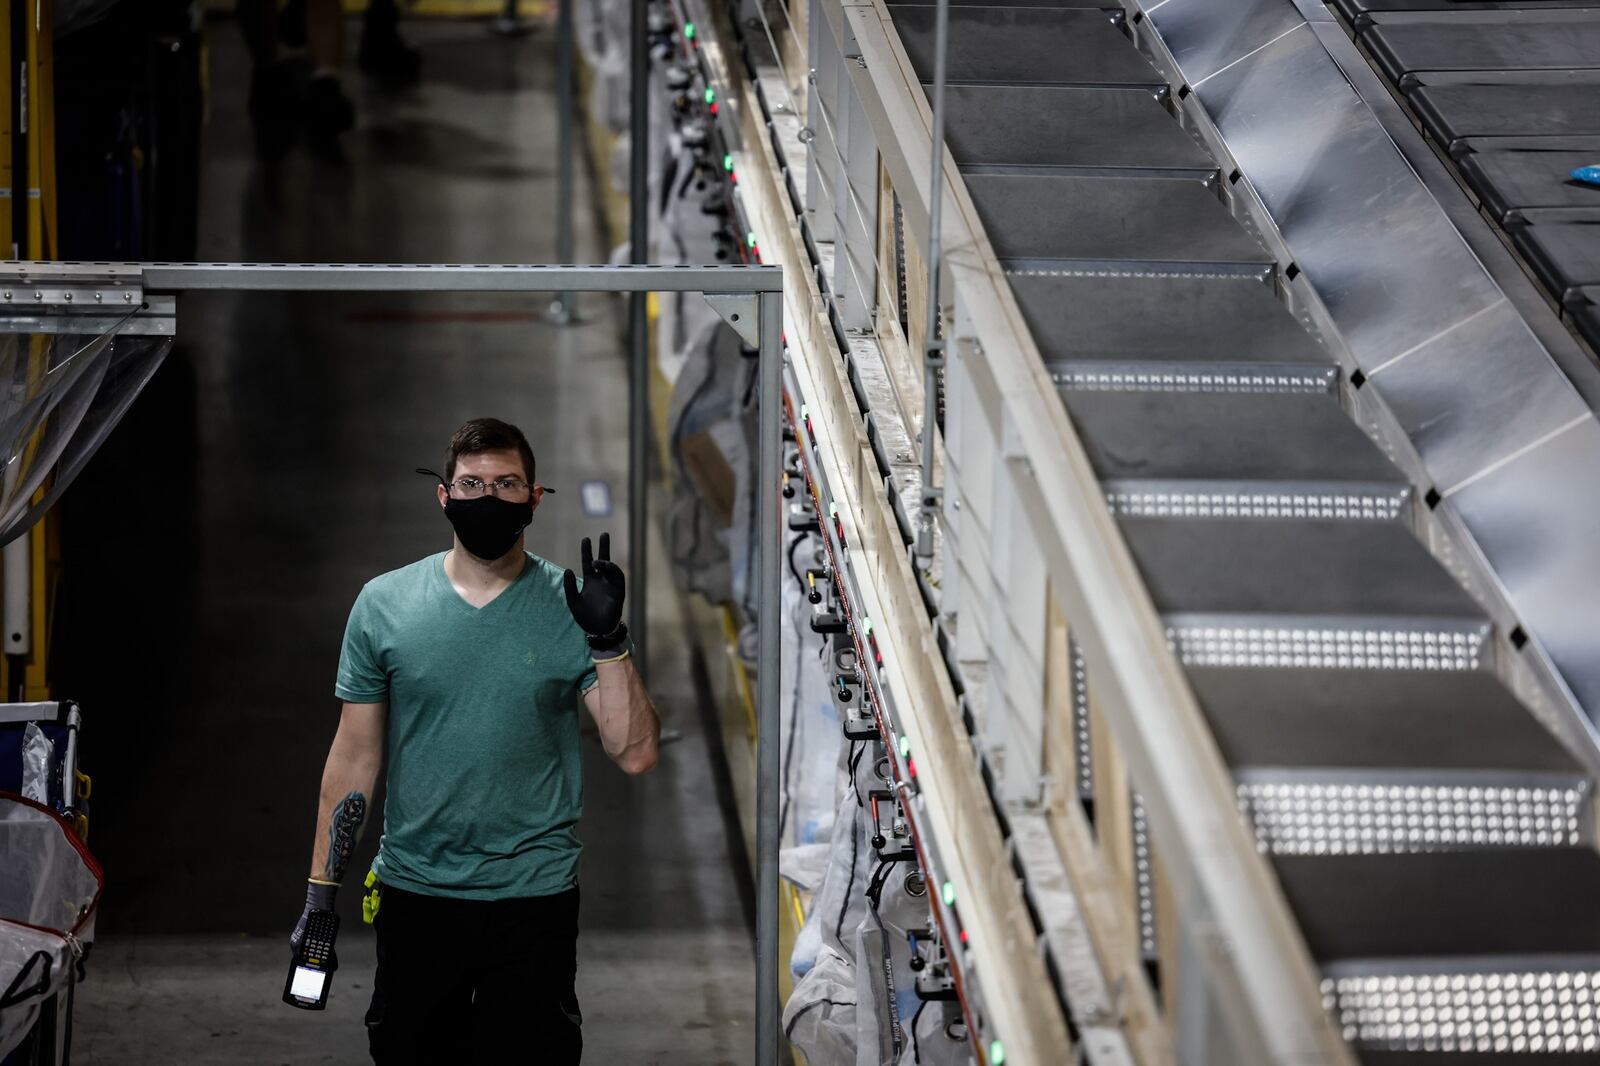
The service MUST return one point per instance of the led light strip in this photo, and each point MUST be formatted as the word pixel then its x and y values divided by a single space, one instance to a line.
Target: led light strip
pixel 1366 818
pixel 1375 507
pixel 1505 1012
pixel 1100 378
pixel 1327 647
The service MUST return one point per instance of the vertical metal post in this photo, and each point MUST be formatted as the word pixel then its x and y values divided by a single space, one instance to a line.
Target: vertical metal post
pixel 768 688
pixel 18 75
pixel 562 310
pixel 638 327
pixel 933 344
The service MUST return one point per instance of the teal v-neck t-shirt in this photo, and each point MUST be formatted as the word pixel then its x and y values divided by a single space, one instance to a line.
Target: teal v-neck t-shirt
pixel 485 778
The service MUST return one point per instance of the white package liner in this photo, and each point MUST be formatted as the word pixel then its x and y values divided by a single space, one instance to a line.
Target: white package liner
pixel 49 885
pixel 37 758
pixel 811 739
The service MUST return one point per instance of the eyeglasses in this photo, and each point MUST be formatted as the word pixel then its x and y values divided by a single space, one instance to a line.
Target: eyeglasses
pixel 509 488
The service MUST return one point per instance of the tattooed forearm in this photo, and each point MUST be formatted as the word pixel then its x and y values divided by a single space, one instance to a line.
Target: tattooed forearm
pixel 343 828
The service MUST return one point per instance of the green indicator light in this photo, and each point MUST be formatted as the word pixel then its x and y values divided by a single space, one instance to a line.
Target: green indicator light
pixel 997 1054
pixel 727 162
pixel 833 509
pixel 949 894
pixel 711 95
pixel 866 624
pixel 750 238
pixel 804 411
pixel 905 745
pixel 688 30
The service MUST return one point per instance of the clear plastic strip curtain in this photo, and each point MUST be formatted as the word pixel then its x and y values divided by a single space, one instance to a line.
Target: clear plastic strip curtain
pixel 63 395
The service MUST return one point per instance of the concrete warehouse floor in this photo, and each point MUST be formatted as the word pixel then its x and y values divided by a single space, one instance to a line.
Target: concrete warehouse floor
pixel 214 548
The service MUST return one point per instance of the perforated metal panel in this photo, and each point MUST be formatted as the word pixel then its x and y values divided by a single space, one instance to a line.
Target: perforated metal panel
pixel 1296 816
pixel 1144 880
pixel 1080 722
pixel 1507 1011
pixel 1350 648
pixel 1136 377
pixel 1288 503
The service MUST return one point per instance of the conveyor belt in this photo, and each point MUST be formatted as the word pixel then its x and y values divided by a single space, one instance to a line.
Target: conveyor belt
pixel 1511 91
pixel 1425 826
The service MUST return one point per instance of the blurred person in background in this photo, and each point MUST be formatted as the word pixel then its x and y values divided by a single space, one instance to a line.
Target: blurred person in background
pixel 277 105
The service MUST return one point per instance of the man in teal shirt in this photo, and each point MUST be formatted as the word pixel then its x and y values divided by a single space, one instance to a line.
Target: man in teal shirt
pixel 464 671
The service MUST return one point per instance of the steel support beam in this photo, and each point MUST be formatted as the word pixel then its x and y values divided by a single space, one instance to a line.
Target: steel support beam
pixel 419 277
pixel 768 687
pixel 638 324
pixel 561 310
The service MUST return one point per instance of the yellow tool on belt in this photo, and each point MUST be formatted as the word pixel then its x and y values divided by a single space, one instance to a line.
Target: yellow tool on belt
pixel 374 896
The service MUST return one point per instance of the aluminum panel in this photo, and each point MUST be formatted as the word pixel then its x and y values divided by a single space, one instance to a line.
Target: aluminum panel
pixel 1586 316
pixel 1177 320
pixel 1207 36
pixel 1506 181
pixel 1378 719
pixel 1564 256
pixel 1516 395
pixel 1024 46
pixel 1336 188
pixel 989 127
pixel 1336 165
pixel 1227 436
pixel 1361 11
pixel 1484 41
pixel 1537 521
pixel 1110 7
pixel 1452 112
pixel 1035 221
pixel 1446 904
pixel 1352 570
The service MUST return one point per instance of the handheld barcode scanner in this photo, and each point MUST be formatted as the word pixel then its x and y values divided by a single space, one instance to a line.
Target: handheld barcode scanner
pixel 311 969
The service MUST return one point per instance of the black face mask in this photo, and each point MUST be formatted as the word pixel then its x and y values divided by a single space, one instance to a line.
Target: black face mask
pixel 488 526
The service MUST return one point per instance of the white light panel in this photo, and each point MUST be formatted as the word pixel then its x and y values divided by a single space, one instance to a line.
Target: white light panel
pixel 1327 648
pixel 1146 380
pixel 1505 1013
pixel 1329 818
pixel 1351 505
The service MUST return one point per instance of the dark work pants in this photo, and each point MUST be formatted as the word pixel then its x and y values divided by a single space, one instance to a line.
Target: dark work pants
pixel 481 981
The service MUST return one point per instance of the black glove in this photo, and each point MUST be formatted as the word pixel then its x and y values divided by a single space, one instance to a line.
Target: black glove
pixel 598 608
pixel 319 897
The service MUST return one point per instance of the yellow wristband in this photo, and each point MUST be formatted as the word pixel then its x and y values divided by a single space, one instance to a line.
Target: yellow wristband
pixel 615 658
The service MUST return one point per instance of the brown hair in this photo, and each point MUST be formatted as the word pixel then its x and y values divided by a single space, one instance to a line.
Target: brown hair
pixel 487 435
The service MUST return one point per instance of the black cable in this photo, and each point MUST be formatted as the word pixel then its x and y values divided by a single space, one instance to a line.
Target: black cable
pixel 916 1045
pixel 858 748
pixel 855 849
pixel 793 569
pixel 880 877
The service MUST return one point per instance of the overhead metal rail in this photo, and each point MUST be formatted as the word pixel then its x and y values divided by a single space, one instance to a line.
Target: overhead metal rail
pixel 748 298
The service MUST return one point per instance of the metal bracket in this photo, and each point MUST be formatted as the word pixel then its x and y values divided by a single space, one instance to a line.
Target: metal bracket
pixel 71 285
pixel 155 316
pixel 739 310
